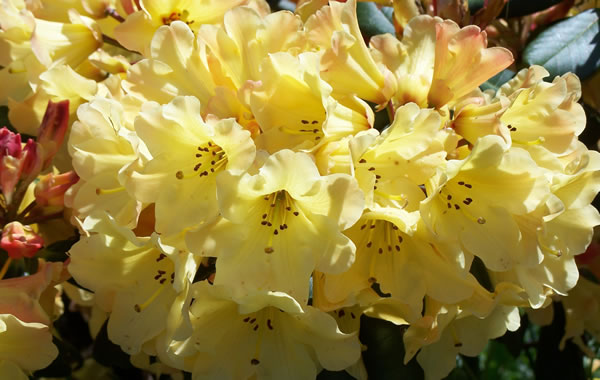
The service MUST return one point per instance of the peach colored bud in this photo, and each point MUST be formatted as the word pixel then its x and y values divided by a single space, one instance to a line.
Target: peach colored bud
pixel 53 129
pixel 20 241
pixel 51 188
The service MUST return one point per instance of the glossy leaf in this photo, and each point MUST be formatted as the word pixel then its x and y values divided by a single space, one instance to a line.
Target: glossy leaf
pixel 516 8
pixel 497 80
pixel 570 45
pixel 372 21
pixel 384 355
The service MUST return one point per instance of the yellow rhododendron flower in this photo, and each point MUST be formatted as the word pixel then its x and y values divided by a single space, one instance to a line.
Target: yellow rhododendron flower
pixel 262 336
pixel 26 347
pixel 334 30
pixel 187 157
pixel 279 225
pixel 294 109
pixel 547 113
pixel 103 149
pixel 405 266
pixel 139 27
pixel 135 279
pixel 434 63
pixel 475 199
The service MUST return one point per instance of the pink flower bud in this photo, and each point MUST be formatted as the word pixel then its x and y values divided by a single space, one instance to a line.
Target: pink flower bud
pixel 53 129
pixel 51 188
pixel 17 164
pixel 10 143
pixel 32 161
pixel 20 241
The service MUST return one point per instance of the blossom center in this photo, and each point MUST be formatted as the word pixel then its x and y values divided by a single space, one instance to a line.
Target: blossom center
pixel 280 206
pixel 177 16
pixel 456 202
pixel 209 158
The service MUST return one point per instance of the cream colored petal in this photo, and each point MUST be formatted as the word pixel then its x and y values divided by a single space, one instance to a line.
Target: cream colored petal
pixel 29 345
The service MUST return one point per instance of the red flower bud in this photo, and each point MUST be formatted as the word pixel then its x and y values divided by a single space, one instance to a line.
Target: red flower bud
pixel 53 129
pixel 20 241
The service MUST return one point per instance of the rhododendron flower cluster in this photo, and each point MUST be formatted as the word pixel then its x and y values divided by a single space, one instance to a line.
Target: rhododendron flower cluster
pixel 238 210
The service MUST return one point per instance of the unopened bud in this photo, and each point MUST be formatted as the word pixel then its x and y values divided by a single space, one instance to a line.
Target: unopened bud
pixel 20 241
pixel 32 161
pixel 51 188
pixel 53 129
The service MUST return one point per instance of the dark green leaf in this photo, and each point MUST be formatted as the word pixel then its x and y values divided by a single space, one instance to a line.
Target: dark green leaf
pixel 384 356
pixel 571 45
pixel 67 360
pixel 475 5
pixel 57 251
pixel 372 21
pixel 551 362
pixel 516 8
pixel 497 80
pixel 286 5
pixel 339 375
pixel 109 354
pixel 589 275
pixel 388 12
pixel 4 118
pixel 519 8
pixel 480 272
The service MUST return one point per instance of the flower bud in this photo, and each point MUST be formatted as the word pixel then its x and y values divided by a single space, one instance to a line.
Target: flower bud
pixel 17 164
pixel 20 241
pixel 51 188
pixel 53 129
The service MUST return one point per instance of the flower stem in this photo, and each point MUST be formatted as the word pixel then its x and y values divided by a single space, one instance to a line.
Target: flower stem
pixel 5 267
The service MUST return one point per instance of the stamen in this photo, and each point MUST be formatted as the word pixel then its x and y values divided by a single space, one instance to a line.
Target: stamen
pixel 139 308
pixel 100 191
pixel 540 140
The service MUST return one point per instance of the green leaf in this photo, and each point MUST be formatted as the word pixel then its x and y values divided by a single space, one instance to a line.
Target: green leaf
pixel 372 21
pixel 569 45
pixel 338 375
pixel 497 80
pixel 479 270
pixel 475 5
pixel 384 355
pixel 57 251
pixel 516 8
pixel 4 118
pixel 109 354
pixel 551 362
pixel 68 359
pixel 388 12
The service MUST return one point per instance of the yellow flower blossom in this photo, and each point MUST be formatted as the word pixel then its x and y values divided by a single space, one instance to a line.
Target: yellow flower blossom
pixel 279 225
pixel 434 63
pixel 103 149
pixel 334 30
pixel 187 157
pixel 135 279
pixel 262 336
pixel 137 30
pixel 476 198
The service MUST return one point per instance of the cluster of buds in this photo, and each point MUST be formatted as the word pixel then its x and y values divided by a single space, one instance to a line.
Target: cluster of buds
pixel 20 167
